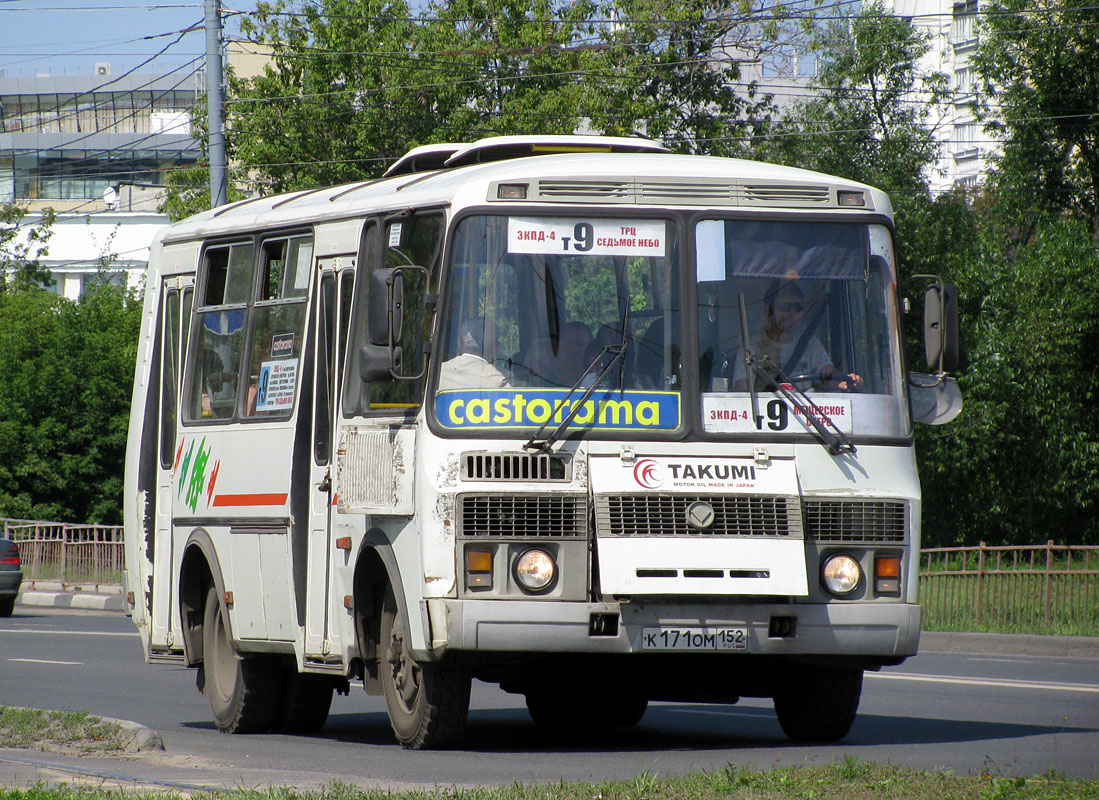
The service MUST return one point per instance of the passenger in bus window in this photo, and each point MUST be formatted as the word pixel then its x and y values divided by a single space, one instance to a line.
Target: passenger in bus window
pixel 796 351
pixel 469 369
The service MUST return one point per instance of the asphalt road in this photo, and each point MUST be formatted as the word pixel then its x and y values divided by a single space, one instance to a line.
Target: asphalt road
pixel 969 713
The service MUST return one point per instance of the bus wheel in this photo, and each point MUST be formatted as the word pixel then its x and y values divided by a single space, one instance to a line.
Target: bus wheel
pixel 818 704
pixel 428 703
pixel 556 709
pixel 243 690
pixel 306 701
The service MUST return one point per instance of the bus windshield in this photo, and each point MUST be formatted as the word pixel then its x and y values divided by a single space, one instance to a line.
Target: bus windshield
pixel 817 300
pixel 537 305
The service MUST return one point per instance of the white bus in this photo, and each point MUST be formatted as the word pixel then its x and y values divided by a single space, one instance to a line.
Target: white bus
pixel 574 415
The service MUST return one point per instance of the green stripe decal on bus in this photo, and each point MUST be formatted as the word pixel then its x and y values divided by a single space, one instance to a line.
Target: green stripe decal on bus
pixel 505 409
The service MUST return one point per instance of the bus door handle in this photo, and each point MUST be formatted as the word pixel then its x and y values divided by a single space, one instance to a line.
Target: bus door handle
pixel 326 483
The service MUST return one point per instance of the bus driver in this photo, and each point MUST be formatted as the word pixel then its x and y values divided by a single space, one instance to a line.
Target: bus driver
pixel 469 369
pixel 795 351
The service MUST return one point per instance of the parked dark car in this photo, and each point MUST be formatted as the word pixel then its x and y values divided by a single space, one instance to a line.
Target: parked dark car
pixel 11 575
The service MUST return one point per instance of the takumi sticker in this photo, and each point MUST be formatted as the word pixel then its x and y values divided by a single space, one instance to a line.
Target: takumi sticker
pixel 595 237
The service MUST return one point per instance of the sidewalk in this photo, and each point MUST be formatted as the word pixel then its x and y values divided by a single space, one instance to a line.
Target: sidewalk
pixel 54 594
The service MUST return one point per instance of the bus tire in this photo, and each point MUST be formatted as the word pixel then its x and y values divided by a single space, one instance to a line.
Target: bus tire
pixel 306 701
pixel 7 607
pixel 818 704
pixel 428 703
pixel 557 710
pixel 243 691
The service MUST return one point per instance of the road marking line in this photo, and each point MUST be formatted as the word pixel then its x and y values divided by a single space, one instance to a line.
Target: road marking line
pixel 1003 683
pixel 47 661
pixel 68 633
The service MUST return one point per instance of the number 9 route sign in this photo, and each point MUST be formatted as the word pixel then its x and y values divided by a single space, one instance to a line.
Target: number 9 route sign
pixel 595 237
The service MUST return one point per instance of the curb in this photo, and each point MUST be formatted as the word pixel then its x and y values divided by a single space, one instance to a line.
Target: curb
pixel 138 738
pixel 79 600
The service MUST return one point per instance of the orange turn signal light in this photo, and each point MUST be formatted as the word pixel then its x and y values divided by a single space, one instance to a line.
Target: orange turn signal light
pixel 887 567
pixel 478 561
pixel 343 543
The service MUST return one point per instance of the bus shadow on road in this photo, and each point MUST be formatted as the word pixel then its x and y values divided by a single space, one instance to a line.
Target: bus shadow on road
pixel 679 726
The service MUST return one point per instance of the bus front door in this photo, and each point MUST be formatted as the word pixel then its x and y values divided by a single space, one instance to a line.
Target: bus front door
pixel 333 303
pixel 177 298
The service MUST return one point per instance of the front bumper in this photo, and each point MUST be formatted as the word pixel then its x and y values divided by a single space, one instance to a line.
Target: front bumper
pixel 873 630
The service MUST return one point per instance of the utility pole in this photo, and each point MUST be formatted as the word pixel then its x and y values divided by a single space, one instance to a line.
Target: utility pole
pixel 215 99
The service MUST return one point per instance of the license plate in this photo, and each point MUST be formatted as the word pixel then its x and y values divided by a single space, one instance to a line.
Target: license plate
pixel 676 638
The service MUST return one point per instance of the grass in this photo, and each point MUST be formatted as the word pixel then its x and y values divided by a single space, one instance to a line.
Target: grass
pixel 67 731
pixel 1067 604
pixel 851 779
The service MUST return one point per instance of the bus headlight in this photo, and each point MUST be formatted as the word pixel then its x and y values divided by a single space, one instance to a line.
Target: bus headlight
pixel 841 574
pixel 535 571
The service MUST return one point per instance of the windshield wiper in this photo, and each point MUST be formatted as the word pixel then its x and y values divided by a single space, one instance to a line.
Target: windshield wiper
pixel 617 354
pixel 835 440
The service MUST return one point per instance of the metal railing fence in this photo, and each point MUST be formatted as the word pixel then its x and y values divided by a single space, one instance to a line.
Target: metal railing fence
pixel 84 556
pixel 1045 588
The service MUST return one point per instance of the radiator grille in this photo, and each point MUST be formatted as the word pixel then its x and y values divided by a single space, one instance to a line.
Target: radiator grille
pixel 515 467
pixel 856 520
pixel 666 515
pixel 504 515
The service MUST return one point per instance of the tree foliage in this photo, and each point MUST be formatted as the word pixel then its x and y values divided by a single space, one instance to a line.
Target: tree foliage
pixel 22 248
pixel 354 84
pixel 1040 66
pixel 64 402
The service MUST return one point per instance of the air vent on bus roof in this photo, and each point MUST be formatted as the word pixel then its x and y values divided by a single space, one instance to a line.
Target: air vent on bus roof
pixel 605 191
pixel 714 192
pixel 687 193
pixel 786 193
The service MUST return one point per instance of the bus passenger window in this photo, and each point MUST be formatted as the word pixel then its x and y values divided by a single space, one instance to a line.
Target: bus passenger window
pixel 279 326
pixel 216 357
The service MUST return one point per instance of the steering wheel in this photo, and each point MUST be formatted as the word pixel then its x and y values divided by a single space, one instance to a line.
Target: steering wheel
pixel 813 378
pixel 817 379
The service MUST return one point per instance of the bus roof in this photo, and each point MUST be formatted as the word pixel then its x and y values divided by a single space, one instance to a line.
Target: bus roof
pixel 645 179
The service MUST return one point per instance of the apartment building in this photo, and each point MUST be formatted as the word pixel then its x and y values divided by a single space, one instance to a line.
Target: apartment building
pixel 954 35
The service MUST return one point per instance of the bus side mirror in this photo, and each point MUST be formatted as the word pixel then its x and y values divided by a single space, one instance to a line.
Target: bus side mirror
pixel 386 306
pixel 377 364
pixel 940 326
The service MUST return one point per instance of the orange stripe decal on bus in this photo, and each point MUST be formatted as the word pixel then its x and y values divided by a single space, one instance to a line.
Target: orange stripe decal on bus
pixel 250 499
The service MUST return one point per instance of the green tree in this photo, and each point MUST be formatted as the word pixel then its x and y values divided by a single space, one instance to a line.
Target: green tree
pixel 1021 464
pixel 1039 62
pixel 355 83
pixel 21 256
pixel 673 71
pixel 870 120
pixel 64 402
